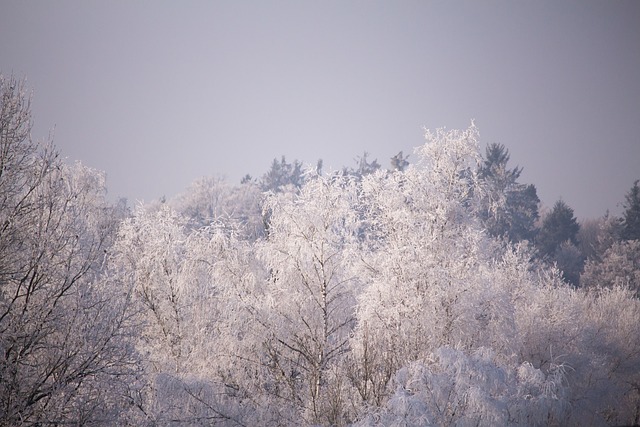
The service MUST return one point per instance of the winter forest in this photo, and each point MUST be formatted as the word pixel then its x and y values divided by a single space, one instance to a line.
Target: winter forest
pixel 434 292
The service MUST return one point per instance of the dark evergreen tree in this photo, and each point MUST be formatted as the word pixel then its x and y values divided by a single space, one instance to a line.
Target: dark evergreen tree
pixel 495 165
pixel 281 175
pixel 365 167
pixel 570 261
pixel 399 162
pixel 557 242
pixel 510 209
pixel 631 215
pixel 558 227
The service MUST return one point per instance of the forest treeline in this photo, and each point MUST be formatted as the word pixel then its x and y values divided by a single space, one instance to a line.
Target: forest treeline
pixel 509 211
pixel 429 293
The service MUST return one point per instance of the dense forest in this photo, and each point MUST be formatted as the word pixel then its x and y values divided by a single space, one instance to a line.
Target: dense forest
pixel 433 292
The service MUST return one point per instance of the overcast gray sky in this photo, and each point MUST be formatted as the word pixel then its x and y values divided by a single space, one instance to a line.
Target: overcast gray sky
pixel 157 94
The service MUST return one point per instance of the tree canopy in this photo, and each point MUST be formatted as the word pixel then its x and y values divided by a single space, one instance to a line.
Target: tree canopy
pixel 377 298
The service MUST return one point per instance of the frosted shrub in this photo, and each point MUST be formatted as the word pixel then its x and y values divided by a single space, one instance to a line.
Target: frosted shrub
pixel 453 388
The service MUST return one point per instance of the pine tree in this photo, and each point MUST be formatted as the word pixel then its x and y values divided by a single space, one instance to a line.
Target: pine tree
pixel 365 167
pixel 510 209
pixel 558 227
pixel 631 215
pixel 281 175
pixel 399 162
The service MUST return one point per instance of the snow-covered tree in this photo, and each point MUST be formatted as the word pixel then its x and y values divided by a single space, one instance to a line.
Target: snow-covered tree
pixel 557 241
pixel 453 328
pixel 305 314
pixel 372 301
pixel 211 200
pixel 66 354
pixel 399 162
pixel 186 283
pixel 597 235
pixel 453 387
pixel 620 266
pixel 420 248
pixel 570 261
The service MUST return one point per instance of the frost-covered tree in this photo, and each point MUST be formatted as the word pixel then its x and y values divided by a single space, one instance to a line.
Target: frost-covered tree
pixel 152 252
pixel 570 261
pixel 452 387
pixel 377 299
pixel 210 200
pixel 620 266
pixel 419 249
pixel 185 282
pixel 66 354
pixel 453 328
pixel 305 314
pixel 597 235
pixel 589 237
pixel 372 301
pixel 591 334
pixel 438 323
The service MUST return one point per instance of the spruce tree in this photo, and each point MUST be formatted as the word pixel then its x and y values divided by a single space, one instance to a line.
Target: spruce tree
pixel 510 209
pixel 558 227
pixel 631 215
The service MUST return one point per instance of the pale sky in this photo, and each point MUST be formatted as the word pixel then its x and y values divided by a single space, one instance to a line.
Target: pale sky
pixel 158 94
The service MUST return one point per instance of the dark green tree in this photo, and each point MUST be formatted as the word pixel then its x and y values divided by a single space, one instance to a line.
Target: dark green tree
pixel 558 227
pixel 631 215
pixel 495 165
pixel 557 242
pixel 365 167
pixel 510 209
pixel 282 174
pixel 399 162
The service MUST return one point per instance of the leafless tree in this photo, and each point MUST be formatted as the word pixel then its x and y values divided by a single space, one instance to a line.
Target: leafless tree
pixel 64 324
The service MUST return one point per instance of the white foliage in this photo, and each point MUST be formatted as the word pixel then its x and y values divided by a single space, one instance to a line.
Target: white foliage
pixel 424 254
pixel 378 301
pixel 451 387
pixel 436 281
pixel 189 285
pixel 306 313
pixel 620 266
pixel 214 200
